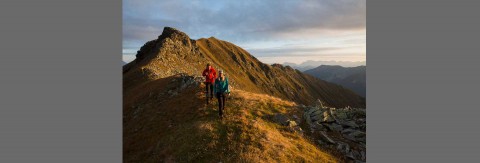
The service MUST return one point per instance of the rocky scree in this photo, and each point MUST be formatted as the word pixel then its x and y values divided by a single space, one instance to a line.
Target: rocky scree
pixel 341 129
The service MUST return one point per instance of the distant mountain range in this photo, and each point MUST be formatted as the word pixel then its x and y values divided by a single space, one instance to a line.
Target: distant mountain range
pixel 310 64
pixel 353 78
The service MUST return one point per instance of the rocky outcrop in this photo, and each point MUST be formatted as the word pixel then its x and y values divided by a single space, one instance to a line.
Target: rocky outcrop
pixel 341 129
pixel 184 81
pixel 286 121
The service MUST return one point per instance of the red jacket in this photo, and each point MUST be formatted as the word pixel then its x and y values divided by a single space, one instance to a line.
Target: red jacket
pixel 212 75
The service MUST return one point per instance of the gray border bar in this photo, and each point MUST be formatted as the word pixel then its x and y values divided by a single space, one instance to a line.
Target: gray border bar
pixel 60 73
pixel 422 81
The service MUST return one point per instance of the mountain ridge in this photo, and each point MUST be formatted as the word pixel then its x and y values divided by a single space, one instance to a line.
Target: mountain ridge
pixel 174 52
pixel 166 119
pixel 353 78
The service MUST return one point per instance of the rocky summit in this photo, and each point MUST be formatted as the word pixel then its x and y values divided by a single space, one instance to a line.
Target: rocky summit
pixel 272 115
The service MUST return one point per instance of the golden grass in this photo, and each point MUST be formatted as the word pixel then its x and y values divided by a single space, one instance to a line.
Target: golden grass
pixel 184 129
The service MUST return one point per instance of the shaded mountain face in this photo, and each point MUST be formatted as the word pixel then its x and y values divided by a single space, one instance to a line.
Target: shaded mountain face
pixel 173 52
pixel 353 78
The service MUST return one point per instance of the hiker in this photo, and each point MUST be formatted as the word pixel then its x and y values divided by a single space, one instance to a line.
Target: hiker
pixel 221 91
pixel 210 74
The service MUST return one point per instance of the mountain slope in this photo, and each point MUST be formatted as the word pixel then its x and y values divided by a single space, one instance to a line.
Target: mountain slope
pixel 353 78
pixel 174 52
pixel 167 120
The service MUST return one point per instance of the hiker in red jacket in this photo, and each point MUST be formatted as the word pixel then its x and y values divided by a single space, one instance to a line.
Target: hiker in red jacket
pixel 210 75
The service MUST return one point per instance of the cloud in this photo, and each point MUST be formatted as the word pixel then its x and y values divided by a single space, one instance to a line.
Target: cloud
pixel 284 51
pixel 243 22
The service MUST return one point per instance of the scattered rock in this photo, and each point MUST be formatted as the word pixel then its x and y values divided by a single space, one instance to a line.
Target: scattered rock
pixel 297 119
pixel 316 117
pixel 359 136
pixel 356 154
pixel 351 124
pixel 347 131
pixel 358 133
pixel 326 138
pixel 319 126
pixel 343 147
pixel 334 127
pixel 297 129
pixel 281 119
pixel 291 123
pixel 327 117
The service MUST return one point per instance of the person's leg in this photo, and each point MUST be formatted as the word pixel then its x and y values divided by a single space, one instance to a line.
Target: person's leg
pixel 211 90
pixel 224 97
pixel 220 103
pixel 207 86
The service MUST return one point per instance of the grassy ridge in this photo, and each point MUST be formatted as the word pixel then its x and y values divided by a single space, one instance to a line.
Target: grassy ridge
pixel 185 129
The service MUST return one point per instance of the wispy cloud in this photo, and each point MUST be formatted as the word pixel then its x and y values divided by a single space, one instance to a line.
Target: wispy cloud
pixel 247 22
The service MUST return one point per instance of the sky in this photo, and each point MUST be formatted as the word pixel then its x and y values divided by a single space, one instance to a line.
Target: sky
pixel 274 31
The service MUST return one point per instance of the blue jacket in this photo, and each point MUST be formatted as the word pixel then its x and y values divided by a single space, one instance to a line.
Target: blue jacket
pixel 221 86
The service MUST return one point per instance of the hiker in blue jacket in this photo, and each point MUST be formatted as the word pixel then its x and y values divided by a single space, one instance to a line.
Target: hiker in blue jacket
pixel 221 91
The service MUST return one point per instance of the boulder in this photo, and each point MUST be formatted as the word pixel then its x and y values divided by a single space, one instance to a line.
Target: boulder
pixel 334 127
pixel 319 126
pixel 297 119
pixel 307 118
pixel 317 117
pixel 293 126
pixel 291 123
pixel 339 114
pixel 350 155
pixel 327 117
pixel 358 136
pixel 297 129
pixel 351 124
pixel 347 131
pixel 356 155
pixel 325 137
pixel 343 147
pixel 281 119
